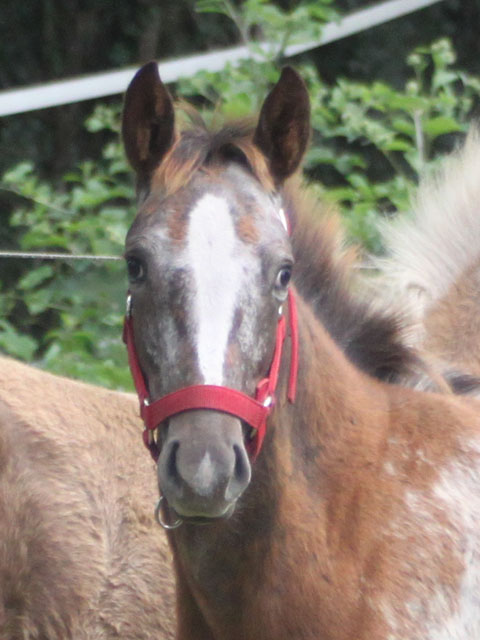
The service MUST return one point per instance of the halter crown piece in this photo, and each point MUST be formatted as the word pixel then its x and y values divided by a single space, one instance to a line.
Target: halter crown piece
pixel 252 410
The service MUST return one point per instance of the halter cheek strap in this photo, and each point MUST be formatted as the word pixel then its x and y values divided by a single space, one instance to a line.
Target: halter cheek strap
pixel 252 410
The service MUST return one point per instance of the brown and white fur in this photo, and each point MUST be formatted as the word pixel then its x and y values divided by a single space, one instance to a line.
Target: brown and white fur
pixel 359 519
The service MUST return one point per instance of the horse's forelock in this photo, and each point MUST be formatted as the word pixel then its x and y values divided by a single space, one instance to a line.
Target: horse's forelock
pixel 198 148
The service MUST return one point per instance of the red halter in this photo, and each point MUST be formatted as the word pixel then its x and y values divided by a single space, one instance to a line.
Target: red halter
pixel 253 411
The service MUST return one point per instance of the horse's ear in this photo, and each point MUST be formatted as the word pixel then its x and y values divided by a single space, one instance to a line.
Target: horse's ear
pixel 283 128
pixel 148 121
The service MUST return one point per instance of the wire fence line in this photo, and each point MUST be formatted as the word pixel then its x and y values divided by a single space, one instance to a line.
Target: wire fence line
pixel 100 85
pixel 25 255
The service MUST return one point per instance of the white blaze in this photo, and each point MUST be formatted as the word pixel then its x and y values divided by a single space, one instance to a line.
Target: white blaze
pixel 217 277
pixel 283 218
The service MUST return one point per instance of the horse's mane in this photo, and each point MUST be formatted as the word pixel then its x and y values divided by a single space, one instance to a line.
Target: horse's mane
pixel 323 272
pixel 429 251
pixel 326 275
pixel 199 146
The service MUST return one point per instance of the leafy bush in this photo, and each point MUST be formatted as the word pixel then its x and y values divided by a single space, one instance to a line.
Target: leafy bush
pixel 369 144
pixel 399 132
pixel 64 314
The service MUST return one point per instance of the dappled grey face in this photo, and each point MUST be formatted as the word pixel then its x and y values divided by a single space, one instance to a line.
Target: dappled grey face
pixel 209 267
pixel 208 272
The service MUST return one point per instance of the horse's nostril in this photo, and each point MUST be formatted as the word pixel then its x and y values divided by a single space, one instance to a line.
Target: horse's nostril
pixel 241 474
pixel 172 470
pixel 242 469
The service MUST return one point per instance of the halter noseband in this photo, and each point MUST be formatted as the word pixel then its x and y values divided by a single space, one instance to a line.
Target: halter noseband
pixel 252 410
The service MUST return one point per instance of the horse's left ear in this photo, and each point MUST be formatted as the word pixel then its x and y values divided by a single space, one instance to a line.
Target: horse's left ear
pixel 148 121
pixel 283 127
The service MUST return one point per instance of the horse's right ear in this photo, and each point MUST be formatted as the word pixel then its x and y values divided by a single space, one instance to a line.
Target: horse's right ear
pixel 148 121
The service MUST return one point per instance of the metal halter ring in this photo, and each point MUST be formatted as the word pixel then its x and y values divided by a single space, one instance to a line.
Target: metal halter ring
pixel 158 517
pixel 128 310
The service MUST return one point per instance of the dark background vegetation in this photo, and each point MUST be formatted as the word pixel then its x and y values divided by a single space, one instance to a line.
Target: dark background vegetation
pixel 56 39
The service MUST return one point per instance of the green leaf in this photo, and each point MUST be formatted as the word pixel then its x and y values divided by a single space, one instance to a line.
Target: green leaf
pixel 442 78
pixel 409 103
pixel 440 125
pixel 404 126
pixel 35 277
pixel 38 301
pixel 210 6
pixel 14 343
pixel 398 145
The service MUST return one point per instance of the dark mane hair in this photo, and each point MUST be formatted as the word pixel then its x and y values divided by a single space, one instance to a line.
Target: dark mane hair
pixel 370 338
pixel 325 276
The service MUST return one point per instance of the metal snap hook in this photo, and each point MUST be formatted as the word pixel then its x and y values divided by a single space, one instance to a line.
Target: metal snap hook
pixel 128 309
pixel 158 517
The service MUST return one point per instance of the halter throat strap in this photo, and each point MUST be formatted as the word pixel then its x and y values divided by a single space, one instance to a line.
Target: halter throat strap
pixel 252 410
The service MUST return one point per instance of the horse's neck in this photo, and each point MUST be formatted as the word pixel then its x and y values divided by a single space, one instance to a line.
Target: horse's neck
pixel 244 574
pixel 336 404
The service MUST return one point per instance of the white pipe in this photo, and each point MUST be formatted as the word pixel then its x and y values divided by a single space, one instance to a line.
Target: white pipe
pixel 100 85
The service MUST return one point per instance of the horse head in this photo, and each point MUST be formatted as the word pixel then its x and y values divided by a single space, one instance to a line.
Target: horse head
pixel 209 264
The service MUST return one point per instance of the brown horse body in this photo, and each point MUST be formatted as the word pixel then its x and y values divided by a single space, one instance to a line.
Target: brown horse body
pixel 361 520
pixel 361 516
pixel 80 554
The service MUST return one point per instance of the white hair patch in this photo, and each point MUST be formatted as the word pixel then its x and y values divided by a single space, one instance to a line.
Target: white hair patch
pixel 217 277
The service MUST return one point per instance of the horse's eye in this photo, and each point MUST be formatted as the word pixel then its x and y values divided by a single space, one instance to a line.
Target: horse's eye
pixel 283 279
pixel 136 270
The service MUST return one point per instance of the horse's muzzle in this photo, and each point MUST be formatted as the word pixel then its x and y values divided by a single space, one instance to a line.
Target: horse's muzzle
pixel 203 467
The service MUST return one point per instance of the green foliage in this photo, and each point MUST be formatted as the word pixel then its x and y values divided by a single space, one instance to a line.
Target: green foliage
pixel 370 142
pixel 67 315
pixel 274 29
pixel 396 131
pixel 407 122
pixel 266 31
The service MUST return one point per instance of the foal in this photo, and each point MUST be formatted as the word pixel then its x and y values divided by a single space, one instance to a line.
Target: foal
pixel 80 555
pixel 358 517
